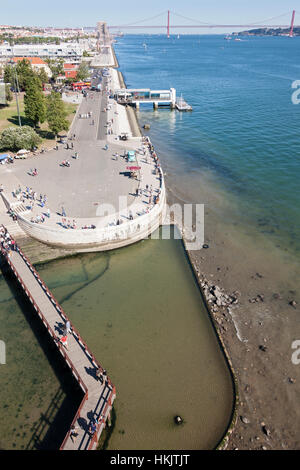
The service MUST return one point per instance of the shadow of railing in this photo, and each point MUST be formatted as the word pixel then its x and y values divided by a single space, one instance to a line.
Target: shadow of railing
pixel 46 419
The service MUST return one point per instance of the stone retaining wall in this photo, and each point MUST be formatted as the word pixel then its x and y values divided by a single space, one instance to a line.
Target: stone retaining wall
pixel 102 239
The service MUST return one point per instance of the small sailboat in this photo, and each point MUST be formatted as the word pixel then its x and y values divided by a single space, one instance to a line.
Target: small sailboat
pixel 145 45
pixel 178 37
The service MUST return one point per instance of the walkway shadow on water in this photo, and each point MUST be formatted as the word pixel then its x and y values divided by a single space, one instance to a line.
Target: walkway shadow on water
pixel 50 430
pixel 47 431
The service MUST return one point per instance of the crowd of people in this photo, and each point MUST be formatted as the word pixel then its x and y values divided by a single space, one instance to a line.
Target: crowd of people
pixel 7 242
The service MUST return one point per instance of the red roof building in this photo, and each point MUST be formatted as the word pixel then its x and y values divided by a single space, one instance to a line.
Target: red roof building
pixel 70 70
pixel 36 63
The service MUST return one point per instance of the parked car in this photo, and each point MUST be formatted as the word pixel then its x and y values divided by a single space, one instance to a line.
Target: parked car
pixel 21 157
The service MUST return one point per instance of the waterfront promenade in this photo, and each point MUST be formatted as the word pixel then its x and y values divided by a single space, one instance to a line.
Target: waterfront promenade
pixel 98 177
pixel 98 397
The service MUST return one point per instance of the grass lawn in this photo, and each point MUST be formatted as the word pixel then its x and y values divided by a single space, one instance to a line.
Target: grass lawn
pixel 9 117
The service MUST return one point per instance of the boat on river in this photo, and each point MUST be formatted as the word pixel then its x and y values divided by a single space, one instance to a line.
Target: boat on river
pixel 182 105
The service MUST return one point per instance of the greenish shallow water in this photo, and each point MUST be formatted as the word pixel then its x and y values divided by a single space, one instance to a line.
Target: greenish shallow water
pixel 38 399
pixel 140 311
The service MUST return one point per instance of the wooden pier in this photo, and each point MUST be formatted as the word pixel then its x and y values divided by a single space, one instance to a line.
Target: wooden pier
pixel 98 397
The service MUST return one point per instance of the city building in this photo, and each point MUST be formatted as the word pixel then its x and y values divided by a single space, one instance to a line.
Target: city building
pixel 69 50
pixel 36 63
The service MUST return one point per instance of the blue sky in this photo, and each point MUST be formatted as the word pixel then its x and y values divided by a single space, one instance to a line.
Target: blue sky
pixel 118 12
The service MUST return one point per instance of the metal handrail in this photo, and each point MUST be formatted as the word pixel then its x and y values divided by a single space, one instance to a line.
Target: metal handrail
pixel 59 309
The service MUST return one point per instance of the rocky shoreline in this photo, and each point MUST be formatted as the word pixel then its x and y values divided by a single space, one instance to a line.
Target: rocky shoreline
pixel 247 313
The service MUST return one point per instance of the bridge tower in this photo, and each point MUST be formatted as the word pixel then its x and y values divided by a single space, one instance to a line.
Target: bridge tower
pixel 168 25
pixel 292 24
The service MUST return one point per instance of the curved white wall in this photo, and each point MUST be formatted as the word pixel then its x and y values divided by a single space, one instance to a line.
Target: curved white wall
pixel 100 239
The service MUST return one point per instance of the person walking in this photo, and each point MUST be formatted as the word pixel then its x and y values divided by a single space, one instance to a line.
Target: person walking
pixel 99 375
pixel 92 429
pixel 73 433
pixel 64 340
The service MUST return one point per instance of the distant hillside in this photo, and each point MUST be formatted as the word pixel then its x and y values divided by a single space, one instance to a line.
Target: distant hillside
pixel 270 32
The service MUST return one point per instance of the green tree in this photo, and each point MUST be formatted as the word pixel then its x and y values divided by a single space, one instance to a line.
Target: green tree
pixel 82 72
pixel 34 102
pixel 24 72
pixel 56 114
pixel 16 138
pixel 43 76
pixel 9 74
pixel 56 67
pixel 8 93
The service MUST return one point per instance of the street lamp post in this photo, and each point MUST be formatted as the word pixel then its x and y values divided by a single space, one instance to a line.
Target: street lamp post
pixel 17 90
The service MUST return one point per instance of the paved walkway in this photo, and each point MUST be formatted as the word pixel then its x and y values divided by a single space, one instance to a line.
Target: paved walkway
pixel 97 177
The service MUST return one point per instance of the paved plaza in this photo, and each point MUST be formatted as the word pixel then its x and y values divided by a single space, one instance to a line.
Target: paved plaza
pixel 97 176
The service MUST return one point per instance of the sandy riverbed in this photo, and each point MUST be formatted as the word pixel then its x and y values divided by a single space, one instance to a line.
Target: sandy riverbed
pixel 257 330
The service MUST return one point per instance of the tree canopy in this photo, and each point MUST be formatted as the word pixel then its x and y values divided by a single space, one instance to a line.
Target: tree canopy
pixel 34 101
pixel 16 138
pixel 82 72
pixel 56 113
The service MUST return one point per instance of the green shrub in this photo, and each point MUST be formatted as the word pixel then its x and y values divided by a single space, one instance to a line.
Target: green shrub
pixel 16 138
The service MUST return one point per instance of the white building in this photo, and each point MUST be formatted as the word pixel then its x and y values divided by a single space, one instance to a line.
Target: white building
pixel 72 51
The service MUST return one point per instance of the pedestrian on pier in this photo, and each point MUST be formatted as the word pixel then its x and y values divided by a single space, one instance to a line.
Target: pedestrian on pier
pixel 73 433
pixel 64 340
pixel 92 429
pixel 99 375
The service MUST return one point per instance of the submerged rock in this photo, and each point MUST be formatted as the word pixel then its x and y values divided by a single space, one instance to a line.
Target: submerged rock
pixel 178 419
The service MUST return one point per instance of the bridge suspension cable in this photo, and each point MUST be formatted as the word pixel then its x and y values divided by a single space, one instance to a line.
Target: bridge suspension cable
pixel 198 23
pixel 145 19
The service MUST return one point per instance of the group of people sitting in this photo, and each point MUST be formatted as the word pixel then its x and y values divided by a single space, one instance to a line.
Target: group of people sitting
pixel 6 241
